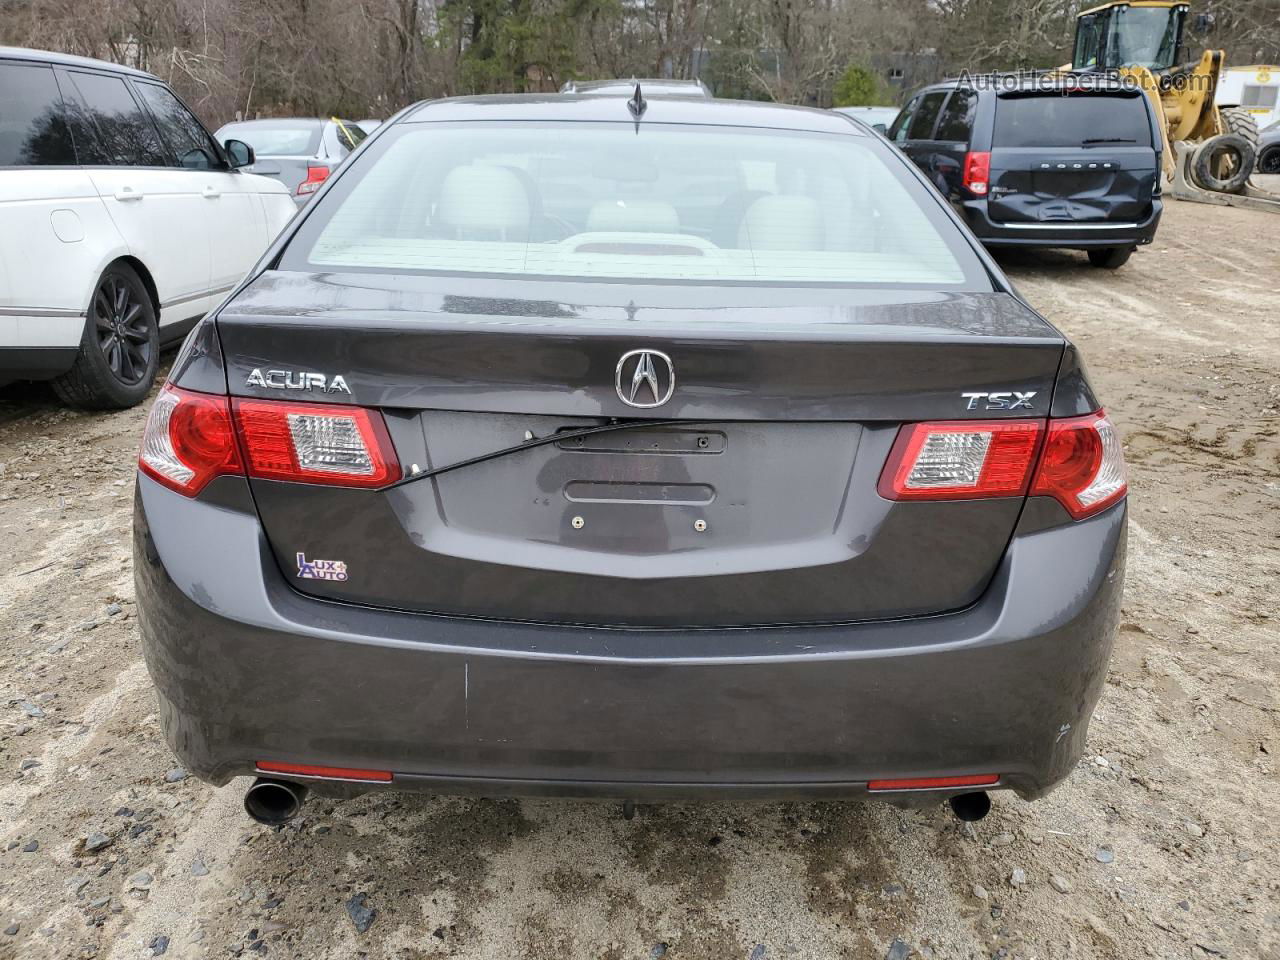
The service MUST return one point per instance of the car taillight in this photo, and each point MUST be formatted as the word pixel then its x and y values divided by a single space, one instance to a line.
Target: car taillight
pixel 977 172
pixel 188 440
pixel 964 460
pixel 1083 465
pixel 315 443
pixel 315 177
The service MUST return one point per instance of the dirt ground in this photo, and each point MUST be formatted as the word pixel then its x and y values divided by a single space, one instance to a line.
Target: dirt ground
pixel 1164 843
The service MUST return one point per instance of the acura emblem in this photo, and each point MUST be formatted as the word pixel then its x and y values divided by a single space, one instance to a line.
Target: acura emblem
pixel 645 378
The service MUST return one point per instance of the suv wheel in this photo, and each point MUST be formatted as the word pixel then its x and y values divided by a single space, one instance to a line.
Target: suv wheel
pixel 1110 257
pixel 120 348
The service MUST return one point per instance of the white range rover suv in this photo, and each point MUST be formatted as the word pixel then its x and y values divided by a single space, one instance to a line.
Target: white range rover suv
pixel 122 222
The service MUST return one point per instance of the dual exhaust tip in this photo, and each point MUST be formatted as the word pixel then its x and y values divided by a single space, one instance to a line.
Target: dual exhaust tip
pixel 275 802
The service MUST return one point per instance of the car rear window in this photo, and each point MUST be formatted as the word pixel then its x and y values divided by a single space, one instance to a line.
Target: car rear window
pixel 347 135
pixel 664 203
pixel 33 130
pixel 1070 120
pixel 285 140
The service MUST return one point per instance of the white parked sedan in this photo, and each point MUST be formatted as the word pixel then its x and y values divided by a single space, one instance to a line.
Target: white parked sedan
pixel 122 222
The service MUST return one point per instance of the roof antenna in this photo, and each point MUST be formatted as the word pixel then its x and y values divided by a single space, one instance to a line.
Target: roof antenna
pixel 637 104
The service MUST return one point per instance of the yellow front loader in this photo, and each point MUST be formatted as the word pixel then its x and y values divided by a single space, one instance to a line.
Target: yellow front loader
pixel 1210 148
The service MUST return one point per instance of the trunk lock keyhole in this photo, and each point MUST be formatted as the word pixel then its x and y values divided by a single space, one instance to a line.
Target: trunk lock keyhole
pixel 700 526
pixel 578 523
pixel 703 443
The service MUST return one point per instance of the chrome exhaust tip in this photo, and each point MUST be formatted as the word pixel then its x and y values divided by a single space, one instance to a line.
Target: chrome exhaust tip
pixel 274 802
pixel 970 807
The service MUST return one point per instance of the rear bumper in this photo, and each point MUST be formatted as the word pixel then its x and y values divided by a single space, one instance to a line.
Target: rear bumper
pixel 248 670
pixel 1081 236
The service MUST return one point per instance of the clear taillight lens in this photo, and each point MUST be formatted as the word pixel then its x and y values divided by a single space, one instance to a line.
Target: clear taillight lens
pixel 316 443
pixel 188 440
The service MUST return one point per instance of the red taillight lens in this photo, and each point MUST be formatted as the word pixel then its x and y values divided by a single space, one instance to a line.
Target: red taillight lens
pixel 935 783
pixel 316 443
pixel 963 460
pixel 315 177
pixel 327 773
pixel 188 440
pixel 1083 465
pixel 977 172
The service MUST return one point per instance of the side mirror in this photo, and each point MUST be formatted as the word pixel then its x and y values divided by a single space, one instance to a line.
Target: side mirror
pixel 880 128
pixel 239 153
pixel 1205 22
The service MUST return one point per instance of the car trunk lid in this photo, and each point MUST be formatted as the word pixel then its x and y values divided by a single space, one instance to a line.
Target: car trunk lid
pixel 751 501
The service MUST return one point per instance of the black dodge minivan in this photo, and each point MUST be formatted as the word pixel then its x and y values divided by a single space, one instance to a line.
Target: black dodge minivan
pixel 1041 161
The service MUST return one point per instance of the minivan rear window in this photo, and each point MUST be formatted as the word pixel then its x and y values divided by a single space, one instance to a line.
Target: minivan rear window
pixel 1071 120
pixel 33 131
pixel 666 203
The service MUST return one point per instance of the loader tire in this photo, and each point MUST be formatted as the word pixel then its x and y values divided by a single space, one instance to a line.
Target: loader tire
pixel 1236 120
pixel 1230 151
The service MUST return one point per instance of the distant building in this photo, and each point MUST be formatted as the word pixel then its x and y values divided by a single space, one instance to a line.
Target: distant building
pixel 904 72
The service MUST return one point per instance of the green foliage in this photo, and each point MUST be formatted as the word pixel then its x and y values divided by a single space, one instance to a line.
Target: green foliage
pixel 857 87
pixel 517 45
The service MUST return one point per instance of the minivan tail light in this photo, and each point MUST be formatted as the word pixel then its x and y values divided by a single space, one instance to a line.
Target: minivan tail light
pixel 1083 465
pixel 315 177
pixel 316 443
pixel 961 460
pixel 188 440
pixel 977 172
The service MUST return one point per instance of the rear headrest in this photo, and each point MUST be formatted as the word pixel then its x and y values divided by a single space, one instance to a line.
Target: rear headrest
pixel 482 202
pixel 783 222
pixel 633 216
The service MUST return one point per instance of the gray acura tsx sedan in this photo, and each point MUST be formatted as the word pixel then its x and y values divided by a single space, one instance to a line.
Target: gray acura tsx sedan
pixel 649 448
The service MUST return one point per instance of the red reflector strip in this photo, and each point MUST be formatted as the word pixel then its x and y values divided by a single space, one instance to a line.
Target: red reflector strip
pixel 328 773
pixel 933 783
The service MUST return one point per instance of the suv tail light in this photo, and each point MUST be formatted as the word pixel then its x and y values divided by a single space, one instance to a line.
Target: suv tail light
pixel 190 438
pixel 1081 466
pixel 977 172
pixel 315 443
pixel 315 177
